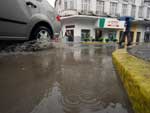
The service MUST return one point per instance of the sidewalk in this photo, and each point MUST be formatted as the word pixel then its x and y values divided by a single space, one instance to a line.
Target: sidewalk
pixel 141 51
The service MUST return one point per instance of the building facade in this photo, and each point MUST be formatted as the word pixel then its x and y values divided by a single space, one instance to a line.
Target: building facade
pixel 83 18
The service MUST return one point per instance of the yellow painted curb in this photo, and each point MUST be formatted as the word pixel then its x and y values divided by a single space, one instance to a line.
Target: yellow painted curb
pixel 95 43
pixel 135 75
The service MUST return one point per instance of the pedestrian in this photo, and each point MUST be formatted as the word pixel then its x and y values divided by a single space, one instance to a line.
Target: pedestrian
pixel 126 33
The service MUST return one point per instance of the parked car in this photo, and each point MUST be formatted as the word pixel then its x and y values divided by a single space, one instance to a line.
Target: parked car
pixel 27 20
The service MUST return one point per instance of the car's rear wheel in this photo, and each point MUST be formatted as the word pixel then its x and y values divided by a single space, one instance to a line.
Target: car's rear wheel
pixel 42 33
pixel 41 38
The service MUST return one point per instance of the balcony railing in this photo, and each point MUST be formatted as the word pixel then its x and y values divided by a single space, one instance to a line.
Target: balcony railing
pixel 69 12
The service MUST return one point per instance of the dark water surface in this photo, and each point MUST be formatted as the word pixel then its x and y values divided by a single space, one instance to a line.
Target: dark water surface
pixel 78 79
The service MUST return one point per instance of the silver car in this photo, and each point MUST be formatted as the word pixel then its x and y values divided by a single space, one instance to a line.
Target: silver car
pixel 28 20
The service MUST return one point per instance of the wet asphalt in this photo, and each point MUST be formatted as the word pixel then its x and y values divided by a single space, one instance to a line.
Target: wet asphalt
pixel 73 78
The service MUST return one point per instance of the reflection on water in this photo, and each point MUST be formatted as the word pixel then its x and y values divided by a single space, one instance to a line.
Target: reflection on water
pixel 74 79
pixel 87 84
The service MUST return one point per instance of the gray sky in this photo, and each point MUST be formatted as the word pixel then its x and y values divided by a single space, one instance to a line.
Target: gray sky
pixel 51 2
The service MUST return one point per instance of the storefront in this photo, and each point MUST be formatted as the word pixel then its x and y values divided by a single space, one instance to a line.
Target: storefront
pixel 88 28
pixel 139 31
pixel 108 28
pixel 81 27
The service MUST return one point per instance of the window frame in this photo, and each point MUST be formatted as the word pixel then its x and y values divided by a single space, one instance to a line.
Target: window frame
pixel 100 6
pixel 113 10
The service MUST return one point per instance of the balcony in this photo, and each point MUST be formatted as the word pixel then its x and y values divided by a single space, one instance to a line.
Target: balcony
pixel 69 12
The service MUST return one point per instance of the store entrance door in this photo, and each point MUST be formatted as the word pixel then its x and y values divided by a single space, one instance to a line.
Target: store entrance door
pixel 70 35
pixel 98 34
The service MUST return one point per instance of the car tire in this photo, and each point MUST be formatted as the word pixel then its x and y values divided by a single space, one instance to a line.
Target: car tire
pixel 42 33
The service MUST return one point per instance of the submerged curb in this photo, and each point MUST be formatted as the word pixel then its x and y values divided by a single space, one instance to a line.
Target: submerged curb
pixel 135 75
pixel 101 43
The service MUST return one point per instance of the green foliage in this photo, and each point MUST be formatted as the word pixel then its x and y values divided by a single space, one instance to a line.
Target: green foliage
pixel 107 40
pixel 100 39
pixel 114 40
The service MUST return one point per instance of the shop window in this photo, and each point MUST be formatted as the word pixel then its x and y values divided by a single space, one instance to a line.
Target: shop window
pixel 112 35
pixel 85 34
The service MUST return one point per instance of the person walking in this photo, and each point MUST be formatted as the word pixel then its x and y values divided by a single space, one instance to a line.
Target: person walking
pixel 126 33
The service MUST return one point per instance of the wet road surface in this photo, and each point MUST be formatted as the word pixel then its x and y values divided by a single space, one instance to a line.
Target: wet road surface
pixel 75 79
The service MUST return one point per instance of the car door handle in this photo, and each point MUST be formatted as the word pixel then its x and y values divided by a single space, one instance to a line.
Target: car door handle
pixel 31 4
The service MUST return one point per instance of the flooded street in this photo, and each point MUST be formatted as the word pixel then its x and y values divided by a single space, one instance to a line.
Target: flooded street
pixel 72 79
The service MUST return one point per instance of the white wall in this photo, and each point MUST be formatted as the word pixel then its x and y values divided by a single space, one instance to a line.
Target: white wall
pixel 141 29
pixel 79 25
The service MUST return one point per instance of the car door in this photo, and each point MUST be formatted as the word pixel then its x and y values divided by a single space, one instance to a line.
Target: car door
pixel 14 18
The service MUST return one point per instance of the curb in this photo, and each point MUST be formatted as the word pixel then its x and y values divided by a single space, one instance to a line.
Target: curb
pixel 96 43
pixel 135 75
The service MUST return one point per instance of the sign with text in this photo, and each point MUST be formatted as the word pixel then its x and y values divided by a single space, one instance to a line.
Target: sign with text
pixel 111 23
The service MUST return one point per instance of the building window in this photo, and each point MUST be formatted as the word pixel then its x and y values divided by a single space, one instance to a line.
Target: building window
pixel 148 12
pixel 133 11
pixel 133 1
pixel 59 2
pixel 69 4
pixel 124 9
pixel 66 4
pixel 113 8
pixel 140 12
pixel 100 7
pixel 85 6
pixel 125 0
pixel 85 34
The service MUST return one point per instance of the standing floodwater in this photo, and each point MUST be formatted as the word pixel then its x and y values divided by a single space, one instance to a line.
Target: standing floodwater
pixel 76 79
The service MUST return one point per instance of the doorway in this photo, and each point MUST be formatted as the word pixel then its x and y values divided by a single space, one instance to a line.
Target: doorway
pixel 70 35
pixel 85 34
pixel 98 34
pixel 138 37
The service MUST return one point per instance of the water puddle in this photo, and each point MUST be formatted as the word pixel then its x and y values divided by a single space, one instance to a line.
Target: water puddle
pixel 72 79
pixel 55 102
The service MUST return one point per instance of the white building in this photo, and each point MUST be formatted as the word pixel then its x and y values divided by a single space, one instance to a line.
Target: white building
pixel 83 18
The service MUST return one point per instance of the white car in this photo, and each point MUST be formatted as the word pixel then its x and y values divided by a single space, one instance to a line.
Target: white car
pixel 27 20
